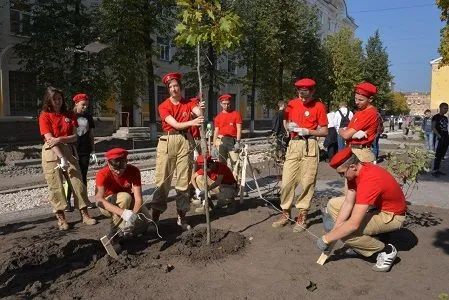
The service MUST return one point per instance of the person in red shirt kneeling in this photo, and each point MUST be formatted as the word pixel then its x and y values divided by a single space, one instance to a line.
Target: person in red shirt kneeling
pixel 119 192
pixel 220 180
pixel 374 204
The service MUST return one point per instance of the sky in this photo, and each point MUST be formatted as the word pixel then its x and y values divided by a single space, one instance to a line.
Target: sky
pixel 410 32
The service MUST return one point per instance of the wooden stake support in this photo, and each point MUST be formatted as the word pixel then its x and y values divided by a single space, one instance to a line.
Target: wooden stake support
pixel 108 246
pixel 323 257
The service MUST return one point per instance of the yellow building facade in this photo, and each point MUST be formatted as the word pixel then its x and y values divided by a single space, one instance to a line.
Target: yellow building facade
pixel 440 84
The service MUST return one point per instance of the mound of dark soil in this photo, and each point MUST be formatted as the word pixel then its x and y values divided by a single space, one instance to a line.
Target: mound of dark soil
pixel 194 245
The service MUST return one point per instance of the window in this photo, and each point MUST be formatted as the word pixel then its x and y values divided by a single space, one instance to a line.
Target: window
pixel 232 65
pixel 329 24
pixel 22 94
pixel 248 106
pixel 164 49
pixel 266 112
pixel 161 94
pixel 20 17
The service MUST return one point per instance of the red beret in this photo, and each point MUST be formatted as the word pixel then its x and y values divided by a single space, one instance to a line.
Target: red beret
pixel 341 156
pixel 366 89
pixel 224 97
pixel 80 97
pixel 200 159
pixel 305 83
pixel 170 76
pixel 116 153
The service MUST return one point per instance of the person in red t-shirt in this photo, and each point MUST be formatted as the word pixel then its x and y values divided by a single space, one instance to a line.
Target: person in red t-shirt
pixel 374 204
pixel 174 148
pixel 228 131
pixel 362 129
pixel 220 181
pixel 306 119
pixel 59 158
pixel 119 191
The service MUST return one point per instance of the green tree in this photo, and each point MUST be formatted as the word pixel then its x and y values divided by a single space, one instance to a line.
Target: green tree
pixel 346 55
pixel 128 26
pixel 281 44
pixel 376 70
pixel 205 22
pixel 54 49
pixel 398 104
pixel 444 42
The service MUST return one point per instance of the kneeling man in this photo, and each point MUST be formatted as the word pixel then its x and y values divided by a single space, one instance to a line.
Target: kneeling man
pixel 220 180
pixel 374 204
pixel 119 191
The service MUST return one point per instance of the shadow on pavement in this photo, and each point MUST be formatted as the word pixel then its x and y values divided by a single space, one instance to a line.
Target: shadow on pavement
pixel 442 240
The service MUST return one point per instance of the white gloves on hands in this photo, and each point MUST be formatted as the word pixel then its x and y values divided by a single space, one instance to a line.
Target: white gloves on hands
pixel 302 131
pixel 64 164
pixel 359 135
pixel 129 216
pixel 199 194
pixel 291 126
pixel 93 158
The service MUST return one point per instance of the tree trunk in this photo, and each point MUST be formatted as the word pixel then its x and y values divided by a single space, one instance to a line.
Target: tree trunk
pixel 253 94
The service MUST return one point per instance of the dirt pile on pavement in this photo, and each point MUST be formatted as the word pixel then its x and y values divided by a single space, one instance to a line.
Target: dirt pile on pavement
pixel 194 245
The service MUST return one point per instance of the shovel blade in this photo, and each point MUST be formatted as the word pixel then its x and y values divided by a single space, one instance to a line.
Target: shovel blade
pixel 108 246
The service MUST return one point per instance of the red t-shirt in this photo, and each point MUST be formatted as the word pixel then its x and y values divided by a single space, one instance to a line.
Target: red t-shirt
pixel 57 124
pixel 308 115
pixel 368 121
pixel 114 184
pixel 181 112
pixel 222 169
pixel 195 130
pixel 226 122
pixel 377 187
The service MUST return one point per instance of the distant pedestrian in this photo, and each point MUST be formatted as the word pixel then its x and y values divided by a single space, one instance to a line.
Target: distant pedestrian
pixel 279 131
pixel 391 123
pixel 426 127
pixel 380 130
pixel 400 121
pixel 342 118
pixel 330 142
pixel 440 129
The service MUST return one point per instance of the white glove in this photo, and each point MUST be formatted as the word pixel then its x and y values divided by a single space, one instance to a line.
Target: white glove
pixel 129 216
pixel 359 135
pixel 64 164
pixel 292 126
pixel 302 131
pixel 93 158
pixel 199 193
pixel 195 154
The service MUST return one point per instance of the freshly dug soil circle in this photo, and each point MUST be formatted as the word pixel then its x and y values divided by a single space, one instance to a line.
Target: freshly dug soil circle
pixel 223 243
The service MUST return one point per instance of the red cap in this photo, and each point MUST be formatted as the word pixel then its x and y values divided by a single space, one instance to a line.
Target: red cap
pixel 200 159
pixel 116 153
pixel 80 97
pixel 341 156
pixel 366 89
pixel 306 83
pixel 224 97
pixel 170 76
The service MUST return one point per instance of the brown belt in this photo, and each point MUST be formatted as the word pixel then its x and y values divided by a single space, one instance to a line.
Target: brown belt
pixel 360 146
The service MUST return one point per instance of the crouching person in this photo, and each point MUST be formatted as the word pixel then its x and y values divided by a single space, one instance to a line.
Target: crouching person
pixel 119 192
pixel 220 180
pixel 374 204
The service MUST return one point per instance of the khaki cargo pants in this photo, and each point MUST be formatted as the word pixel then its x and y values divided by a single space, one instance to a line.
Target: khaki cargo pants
pixel 375 222
pixel 226 149
pixel 172 154
pixel 123 200
pixel 223 192
pixel 300 167
pixel 54 178
pixel 364 154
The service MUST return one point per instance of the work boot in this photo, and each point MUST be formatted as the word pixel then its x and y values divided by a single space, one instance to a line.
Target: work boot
pixel 182 221
pixel 283 220
pixel 86 218
pixel 300 221
pixel 62 222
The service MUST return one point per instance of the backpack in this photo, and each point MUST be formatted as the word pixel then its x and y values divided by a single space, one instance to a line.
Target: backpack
pixel 344 119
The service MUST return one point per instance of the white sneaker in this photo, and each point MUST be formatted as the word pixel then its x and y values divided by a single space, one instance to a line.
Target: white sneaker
pixel 195 200
pixel 182 223
pixel 385 261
